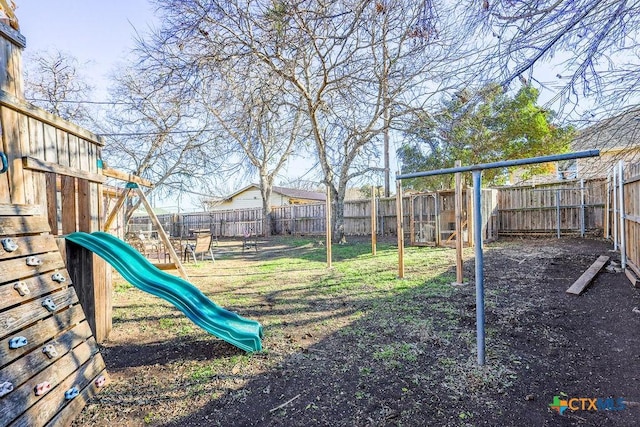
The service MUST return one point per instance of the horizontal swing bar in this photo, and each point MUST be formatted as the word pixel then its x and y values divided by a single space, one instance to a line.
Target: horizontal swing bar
pixel 504 164
pixel 477 219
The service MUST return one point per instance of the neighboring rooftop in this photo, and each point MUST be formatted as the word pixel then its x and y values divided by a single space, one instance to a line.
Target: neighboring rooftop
pixel 299 194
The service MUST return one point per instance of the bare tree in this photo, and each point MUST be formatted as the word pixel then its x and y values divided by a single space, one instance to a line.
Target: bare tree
pixel 54 82
pixel 261 120
pixel 154 133
pixel 330 54
pixel 591 45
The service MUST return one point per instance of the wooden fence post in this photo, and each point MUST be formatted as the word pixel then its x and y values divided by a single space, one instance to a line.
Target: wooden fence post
pixel 458 214
pixel 328 226
pixel 400 219
pixel 373 220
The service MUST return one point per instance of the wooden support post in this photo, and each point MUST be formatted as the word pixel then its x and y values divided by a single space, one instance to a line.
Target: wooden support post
pixel 583 225
pixel 470 222
pixel 114 212
pixel 88 272
pixel 400 220
pixel 458 213
pixel 328 226
pixel 373 220
pixel 438 222
pixel 607 226
pixel 623 233
pixel 558 216
pixel 161 233
pixel 614 212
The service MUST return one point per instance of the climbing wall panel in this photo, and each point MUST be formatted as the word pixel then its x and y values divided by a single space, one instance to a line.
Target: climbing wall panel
pixel 49 361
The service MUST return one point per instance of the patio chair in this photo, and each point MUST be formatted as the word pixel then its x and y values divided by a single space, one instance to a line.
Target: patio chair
pixel 250 239
pixel 144 244
pixel 202 246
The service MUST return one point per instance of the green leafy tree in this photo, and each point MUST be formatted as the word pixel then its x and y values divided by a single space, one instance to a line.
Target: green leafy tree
pixel 484 127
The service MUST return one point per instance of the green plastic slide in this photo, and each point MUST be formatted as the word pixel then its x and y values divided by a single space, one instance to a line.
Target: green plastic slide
pixel 136 269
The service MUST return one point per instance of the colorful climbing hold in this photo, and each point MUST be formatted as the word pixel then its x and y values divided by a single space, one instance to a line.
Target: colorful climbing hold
pixel 33 261
pixel 9 244
pixel 5 388
pixel 57 277
pixel 42 388
pixel 71 393
pixel 17 342
pixel 22 288
pixel 49 304
pixel 50 351
pixel 100 381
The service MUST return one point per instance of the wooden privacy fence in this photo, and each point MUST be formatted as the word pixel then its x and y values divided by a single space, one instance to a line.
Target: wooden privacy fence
pixel 564 207
pixel 309 219
pixel 631 211
pixel 230 223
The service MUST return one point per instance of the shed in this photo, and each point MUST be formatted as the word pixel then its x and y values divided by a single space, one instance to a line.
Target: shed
pixel 432 217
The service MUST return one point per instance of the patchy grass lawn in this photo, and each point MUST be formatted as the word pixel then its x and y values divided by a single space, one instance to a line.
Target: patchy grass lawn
pixel 354 345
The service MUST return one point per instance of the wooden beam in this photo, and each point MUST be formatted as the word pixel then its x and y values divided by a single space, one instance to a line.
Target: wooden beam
pixel 43 166
pixel 632 277
pixel 162 234
pixel 459 225
pixel 114 212
pixel 454 235
pixel 633 267
pixel 166 266
pixel 19 210
pixel 328 226
pixel 438 223
pixel 586 278
pixel 12 34
pixel 10 226
pixel 111 192
pixel 374 217
pixel 8 100
pixel 124 176
pixel 400 226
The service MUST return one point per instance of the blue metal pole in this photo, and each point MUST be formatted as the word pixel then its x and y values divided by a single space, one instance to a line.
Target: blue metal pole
pixel 477 232
pixel 477 217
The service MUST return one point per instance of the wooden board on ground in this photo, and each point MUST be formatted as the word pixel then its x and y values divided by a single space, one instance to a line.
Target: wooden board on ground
pixel 39 307
pixel 586 278
pixel 632 277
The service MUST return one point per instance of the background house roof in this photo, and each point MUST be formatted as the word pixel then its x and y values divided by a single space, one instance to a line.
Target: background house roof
pixel 300 194
pixel 289 192
pixel 615 133
pixel 617 138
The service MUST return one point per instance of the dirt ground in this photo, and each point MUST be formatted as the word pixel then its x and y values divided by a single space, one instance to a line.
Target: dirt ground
pixel 386 354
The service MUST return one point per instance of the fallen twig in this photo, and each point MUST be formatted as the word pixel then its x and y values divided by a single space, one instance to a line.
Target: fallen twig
pixel 285 403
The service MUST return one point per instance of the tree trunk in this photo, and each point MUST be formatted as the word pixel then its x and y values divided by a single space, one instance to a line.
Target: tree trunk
pixel 266 186
pixel 337 214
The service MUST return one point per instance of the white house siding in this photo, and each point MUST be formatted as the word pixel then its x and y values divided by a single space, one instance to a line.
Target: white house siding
pixel 251 198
